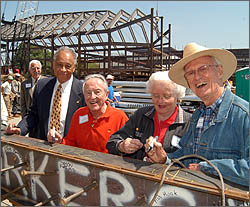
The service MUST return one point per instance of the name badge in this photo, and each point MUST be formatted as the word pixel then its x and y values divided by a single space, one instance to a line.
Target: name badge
pixel 200 122
pixel 28 85
pixel 175 141
pixel 83 119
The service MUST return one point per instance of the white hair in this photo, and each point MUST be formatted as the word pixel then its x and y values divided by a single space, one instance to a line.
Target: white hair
pixel 96 76
pixel 179 91
pixel 35 61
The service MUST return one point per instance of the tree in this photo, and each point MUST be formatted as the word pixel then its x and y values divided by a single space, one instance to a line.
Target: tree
pixel 21 58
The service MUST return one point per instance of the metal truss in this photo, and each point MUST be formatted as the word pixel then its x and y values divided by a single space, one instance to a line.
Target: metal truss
pixel 103 37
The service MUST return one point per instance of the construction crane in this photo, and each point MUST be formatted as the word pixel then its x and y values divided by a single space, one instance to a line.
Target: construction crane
pixel 23 20
pixel 26 11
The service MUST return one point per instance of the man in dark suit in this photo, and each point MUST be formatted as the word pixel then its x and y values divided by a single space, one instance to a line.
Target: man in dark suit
pixel 39 114
pixel 27 86
pixel 27 89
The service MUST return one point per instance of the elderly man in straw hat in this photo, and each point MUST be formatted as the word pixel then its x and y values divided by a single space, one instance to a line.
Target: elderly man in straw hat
pixel 219 129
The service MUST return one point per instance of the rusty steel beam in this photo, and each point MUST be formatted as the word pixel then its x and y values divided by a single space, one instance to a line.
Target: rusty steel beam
pixel 26 172
pixel 47 200
pixel 4 196
pixel 65 201
pixel 13 167
pixel 120 181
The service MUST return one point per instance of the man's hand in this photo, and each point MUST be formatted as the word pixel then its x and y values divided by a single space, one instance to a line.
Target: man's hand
pixel 54 138
pixel 130 145
pixel 157 154
pixel 12 129
pixel 194 166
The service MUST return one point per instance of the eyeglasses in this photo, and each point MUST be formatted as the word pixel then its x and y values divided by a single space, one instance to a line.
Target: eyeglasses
pixel 201 71
pixel 96 93
pixel 158 96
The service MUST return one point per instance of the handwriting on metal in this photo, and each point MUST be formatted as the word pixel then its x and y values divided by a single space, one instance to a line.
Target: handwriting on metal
pixel 66 167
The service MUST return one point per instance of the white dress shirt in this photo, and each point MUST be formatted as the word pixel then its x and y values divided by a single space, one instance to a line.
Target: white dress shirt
pixel 66 88
pixel 35 81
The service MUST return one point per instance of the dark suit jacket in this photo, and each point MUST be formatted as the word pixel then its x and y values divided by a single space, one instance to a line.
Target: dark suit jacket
pixel 26 98
pixel 38 114
pixel 26 95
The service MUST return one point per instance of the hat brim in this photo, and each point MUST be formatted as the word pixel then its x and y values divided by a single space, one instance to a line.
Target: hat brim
pixel 227 59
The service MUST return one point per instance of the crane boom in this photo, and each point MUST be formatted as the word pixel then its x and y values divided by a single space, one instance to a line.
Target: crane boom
pixel 26 11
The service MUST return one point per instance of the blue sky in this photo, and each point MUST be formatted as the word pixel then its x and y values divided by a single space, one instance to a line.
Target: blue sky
pixel 222 24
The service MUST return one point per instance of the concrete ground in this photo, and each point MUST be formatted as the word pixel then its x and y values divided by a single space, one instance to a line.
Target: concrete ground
pixel 15 119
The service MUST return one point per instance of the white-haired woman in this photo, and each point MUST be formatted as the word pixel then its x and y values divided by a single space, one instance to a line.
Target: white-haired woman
pixel 166 120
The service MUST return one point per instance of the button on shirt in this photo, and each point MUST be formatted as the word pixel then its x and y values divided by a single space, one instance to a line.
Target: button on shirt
pixel 66 88
pixel 206 116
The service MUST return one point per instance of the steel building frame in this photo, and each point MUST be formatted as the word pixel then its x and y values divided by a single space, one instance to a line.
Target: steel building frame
pixel 126 45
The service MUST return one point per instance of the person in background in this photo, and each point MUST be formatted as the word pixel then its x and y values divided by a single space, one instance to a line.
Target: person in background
pixel 40 113
pixel 4 114
pixel 28 86
pixel 17 70
pixel 16 89
pixel 92 125
pixel 219 128
pixel 165 120
pixel 7 94
pixel 111 97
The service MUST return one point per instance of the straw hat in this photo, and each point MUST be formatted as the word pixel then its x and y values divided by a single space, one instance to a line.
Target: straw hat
pixel 110 77
pixel 193 51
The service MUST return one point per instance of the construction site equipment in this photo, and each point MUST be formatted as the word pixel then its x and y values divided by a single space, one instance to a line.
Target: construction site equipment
pixel 133 95
pixel 242 83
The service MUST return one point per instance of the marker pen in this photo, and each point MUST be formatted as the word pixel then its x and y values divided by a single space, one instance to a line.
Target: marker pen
pixel 152 143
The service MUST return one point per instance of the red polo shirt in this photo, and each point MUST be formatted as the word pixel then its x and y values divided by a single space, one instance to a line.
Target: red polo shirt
pixel 87 133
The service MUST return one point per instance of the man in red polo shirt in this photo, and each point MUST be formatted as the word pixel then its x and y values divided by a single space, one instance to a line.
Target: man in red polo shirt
pixel 92 125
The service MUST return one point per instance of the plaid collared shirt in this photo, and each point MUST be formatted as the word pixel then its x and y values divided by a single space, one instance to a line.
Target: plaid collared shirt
pixel 206 116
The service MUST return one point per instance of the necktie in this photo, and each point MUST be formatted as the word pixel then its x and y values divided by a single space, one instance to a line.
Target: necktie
pixel 56 109
pixel 33 88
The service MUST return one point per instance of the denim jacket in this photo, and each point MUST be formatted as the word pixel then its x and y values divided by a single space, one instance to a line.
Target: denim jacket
pixel 225 142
